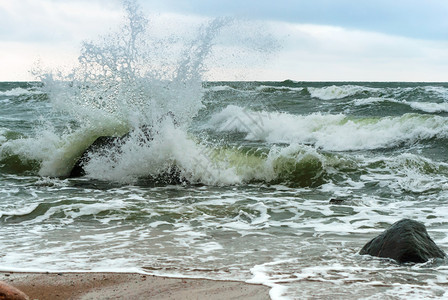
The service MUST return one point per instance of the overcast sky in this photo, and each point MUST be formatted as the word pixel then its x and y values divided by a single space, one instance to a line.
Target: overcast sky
pixel 343 40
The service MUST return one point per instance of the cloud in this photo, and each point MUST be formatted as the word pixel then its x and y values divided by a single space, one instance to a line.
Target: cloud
pixel 316 52
pixel 17 59
pixel 409 18
pixel 49 21
pixel 50 31
pixel 319 40
pixel 328 53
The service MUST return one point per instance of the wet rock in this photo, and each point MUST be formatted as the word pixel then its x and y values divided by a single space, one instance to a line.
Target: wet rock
pixel 100 144
pixel 8 292
pixel 105 143
pixel 406 241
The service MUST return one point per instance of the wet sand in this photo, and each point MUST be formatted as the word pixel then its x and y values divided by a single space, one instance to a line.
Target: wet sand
pixel 44 286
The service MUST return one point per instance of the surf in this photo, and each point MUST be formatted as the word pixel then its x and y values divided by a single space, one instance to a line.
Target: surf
pixel 330 132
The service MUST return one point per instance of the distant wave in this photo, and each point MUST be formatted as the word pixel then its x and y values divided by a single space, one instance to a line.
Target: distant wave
pixel 437 90
pixel 429 107
pixel 434 94
pixel 254 89
pixel 327 131
pixel 266 88
pixel 19 92
pixel 220 88
pixel 338 92
pixel 335 92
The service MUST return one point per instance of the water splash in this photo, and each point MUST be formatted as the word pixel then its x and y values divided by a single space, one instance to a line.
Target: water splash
pixel 122 79
pixel 123 84
pixel 140 86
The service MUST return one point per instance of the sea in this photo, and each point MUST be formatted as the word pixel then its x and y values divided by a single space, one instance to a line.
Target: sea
pixel 278 183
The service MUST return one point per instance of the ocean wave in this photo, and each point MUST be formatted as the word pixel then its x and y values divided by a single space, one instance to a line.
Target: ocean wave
pixel 16 164
pixel 108 97
pixel 429 107
pixel 338 92
pixel 405 172
pixel 220 88
pixel 418 174
pixel 48 155
pixel 253 88
pixel 273 89
pixel 373 100
pixel 295 165
pixel 438 91
pixel 20 92
pixel 23 211
pixel 359 94
pixel 327 131
pixel 71 209
pixel 3 137
pixel 50 152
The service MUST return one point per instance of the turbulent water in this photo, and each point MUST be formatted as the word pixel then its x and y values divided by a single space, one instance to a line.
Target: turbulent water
pixel 257 163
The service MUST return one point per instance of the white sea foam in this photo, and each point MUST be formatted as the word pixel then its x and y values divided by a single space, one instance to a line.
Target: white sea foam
pixel 330 132
pixel 78 210
pixel 3 138
pixel 417 174
pixel 438 90
pixel 211 246
pixel 260 276
pixel 19 92
pixel 263 88
pixel 395 95
pixel 373 100
pixel 19 211
pixel 430 107
pixel 337 92
pixel 172 147
pixel 220 88
pixel 55 152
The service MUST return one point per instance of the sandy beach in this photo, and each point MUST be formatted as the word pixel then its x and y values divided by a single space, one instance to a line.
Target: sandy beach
pixel 44 286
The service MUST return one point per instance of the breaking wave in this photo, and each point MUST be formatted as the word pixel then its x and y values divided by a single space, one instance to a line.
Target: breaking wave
pixel 19 92
pixel 330 132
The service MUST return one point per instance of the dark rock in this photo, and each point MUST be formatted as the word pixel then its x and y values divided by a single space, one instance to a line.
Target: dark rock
pixel 114 144
pixel 405 241
pixel 9 292
pixel 100 144
pixel 103 144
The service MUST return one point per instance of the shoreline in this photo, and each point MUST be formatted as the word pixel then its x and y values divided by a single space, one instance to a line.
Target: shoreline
pixel 109 285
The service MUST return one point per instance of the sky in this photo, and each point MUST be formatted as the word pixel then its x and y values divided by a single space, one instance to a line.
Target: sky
pixel 318 40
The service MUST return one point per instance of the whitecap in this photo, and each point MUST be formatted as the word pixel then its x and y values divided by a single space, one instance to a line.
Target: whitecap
pixel 328 131
pixel 429 107
pixel 19 92
pixel 337 92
